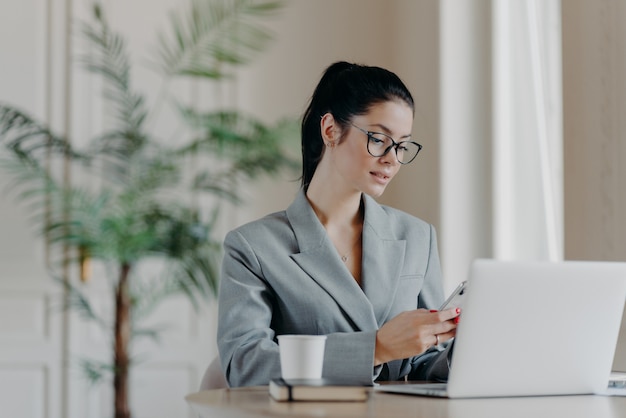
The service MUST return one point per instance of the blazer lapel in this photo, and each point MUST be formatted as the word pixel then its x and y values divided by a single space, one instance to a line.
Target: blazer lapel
pixel 383 258
pixel 318 258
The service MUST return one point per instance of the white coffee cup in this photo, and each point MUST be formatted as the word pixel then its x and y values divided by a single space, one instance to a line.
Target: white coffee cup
pixel 301 356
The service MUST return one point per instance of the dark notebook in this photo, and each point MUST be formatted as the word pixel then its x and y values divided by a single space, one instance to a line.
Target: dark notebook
pixel 316 390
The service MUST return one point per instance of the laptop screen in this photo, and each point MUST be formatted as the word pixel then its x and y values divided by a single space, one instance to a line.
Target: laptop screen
pixel 619 361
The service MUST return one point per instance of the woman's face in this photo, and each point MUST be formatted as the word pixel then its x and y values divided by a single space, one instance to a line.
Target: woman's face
pixel 350 158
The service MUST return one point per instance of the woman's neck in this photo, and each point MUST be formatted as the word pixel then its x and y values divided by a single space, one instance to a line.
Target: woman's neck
pixel 334 206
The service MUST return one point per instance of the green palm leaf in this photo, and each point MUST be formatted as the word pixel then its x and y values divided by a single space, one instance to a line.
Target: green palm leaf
pixel 110 59
pixel 214 33
pixel 29 139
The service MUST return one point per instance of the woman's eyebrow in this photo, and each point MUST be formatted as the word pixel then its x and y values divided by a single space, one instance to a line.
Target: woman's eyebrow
pixel 387 131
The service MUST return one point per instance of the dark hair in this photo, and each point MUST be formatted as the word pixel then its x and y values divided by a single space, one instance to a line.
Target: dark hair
pixel 345 90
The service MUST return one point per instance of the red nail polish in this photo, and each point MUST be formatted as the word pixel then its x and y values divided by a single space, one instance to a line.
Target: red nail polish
pixel 433 310
pixel 458 310
pixel 456 320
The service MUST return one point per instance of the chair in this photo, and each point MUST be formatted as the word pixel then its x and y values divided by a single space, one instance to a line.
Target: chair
pixel 214 377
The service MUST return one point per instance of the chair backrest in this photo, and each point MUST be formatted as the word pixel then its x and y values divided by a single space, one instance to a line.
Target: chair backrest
pixel 213 377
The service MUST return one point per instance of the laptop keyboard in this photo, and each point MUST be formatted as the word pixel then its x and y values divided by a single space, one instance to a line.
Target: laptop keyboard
pixel 617 385
pixel 617 380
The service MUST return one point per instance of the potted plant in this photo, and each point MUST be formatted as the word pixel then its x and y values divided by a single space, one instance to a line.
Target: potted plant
pixel 123 199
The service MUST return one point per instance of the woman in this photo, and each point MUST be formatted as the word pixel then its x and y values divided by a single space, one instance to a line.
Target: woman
pixel 335 262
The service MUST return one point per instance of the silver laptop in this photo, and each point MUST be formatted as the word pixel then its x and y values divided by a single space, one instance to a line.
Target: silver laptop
pixel 534 328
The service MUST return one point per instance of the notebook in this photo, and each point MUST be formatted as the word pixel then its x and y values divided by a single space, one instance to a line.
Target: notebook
pixel 316 390
pixel 533 328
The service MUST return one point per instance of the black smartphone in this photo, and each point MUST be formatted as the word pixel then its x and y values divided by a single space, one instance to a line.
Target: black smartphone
pixel 456 298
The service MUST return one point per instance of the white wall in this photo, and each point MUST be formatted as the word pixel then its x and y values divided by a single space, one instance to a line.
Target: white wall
pixel 594 86
pixel 466 137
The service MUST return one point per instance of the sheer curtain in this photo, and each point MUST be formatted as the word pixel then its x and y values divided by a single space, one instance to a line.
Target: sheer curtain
pixel 501 132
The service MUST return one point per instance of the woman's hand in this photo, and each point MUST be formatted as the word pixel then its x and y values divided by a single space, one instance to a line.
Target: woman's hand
pixel 413 332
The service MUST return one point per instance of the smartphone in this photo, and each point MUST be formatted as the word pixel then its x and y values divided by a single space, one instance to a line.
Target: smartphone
pixel 455 300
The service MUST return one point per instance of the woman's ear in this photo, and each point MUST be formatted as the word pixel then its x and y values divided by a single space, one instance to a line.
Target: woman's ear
pixel 329 129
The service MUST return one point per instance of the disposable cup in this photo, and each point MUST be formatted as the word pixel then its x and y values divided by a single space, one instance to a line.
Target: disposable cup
pixel 301 356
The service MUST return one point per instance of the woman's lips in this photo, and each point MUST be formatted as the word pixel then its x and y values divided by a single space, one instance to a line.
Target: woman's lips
pixel 381 178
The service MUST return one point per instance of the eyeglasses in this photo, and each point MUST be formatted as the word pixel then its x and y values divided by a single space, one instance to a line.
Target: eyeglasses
pixel 379 144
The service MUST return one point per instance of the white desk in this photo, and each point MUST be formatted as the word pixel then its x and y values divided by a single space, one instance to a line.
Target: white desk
pixel 255 402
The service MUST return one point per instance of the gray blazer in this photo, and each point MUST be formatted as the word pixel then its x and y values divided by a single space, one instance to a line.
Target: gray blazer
pixel 282 275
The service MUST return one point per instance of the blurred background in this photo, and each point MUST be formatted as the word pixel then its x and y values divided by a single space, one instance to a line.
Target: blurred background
pixel 519 106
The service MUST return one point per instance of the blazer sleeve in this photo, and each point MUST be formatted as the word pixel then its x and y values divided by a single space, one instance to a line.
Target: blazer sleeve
pixel 434 364
pixel 248 353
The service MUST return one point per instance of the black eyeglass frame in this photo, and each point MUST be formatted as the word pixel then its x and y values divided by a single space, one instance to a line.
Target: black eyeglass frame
pixel 394 144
